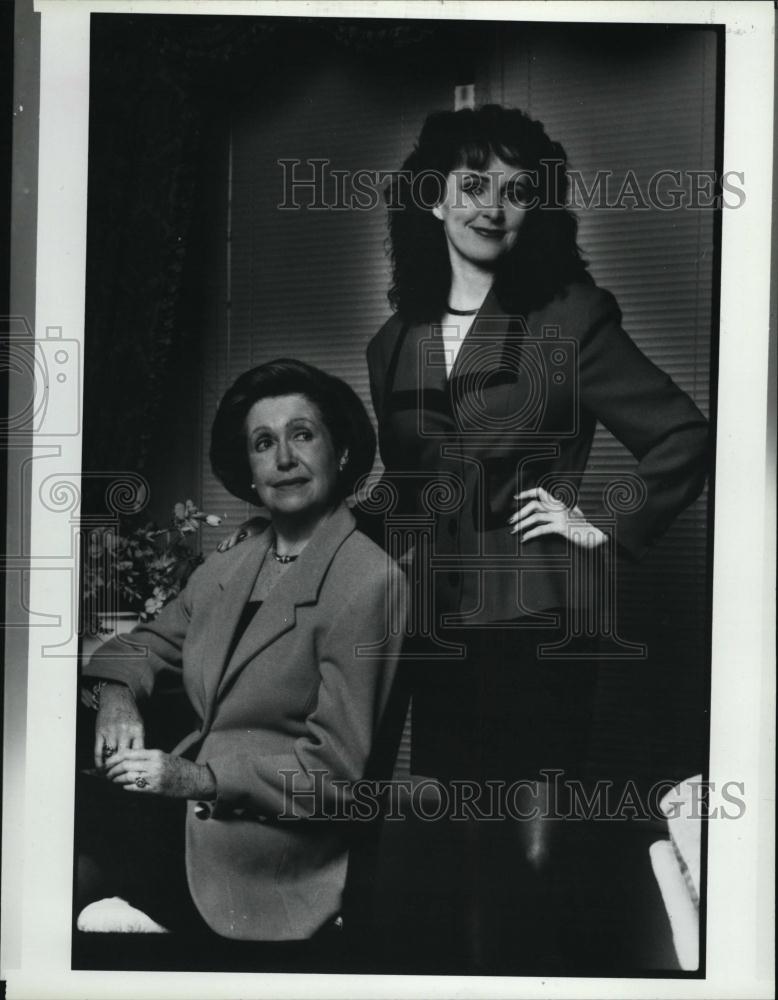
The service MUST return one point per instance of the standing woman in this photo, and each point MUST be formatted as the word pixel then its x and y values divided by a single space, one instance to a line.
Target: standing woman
pixel 501 357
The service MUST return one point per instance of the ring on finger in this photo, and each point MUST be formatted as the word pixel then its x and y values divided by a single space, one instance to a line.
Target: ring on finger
pixel 141 782
pixel 109 751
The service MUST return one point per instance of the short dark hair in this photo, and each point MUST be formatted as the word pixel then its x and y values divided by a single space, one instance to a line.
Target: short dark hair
pixel 341 410
pixel 545 256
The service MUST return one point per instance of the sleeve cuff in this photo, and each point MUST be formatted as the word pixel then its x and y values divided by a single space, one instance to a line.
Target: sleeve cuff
pixel 627 543
pixel 230 788
pixel 139 682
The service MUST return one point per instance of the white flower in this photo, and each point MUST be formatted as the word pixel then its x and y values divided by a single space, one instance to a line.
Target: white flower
pixel 153 605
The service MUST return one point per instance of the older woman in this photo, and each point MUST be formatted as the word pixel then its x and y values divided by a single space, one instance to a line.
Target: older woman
pixel 286 648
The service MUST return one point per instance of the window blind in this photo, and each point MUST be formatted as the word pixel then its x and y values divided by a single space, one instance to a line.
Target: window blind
pixel 642 100
pixel 312 283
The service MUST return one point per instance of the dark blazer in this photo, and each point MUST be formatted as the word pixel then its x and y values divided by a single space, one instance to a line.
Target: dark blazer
pixel 520 410
pixel 289 714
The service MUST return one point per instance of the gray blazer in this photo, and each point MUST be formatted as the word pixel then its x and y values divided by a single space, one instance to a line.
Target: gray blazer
pixel 287 720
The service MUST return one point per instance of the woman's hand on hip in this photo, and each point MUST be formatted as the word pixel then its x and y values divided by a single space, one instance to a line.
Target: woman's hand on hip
pixel 154 772
pixel 254 526
pixel 540 514
pixel 119 725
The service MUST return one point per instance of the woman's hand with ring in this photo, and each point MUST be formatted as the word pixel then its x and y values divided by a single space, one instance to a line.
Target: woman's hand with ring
pixel 541 513
pixel 119 725
pixel 155 772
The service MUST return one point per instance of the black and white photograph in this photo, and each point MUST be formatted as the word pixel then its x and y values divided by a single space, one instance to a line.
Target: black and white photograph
pixel 389 476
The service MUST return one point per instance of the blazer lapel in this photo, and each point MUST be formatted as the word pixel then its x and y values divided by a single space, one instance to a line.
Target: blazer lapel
pixel 235 588
pixel 490 327
pixel 484 358
pixel 417 379
pixel 300 585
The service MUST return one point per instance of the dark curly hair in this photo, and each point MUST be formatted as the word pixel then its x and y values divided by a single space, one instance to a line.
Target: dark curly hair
pixel 546 255
pixel 341 410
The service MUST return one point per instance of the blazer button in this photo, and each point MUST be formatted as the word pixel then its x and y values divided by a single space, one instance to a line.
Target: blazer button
pixel 202 810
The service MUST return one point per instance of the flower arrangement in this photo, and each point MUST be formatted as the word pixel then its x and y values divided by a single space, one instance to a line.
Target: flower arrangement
pixel 141 569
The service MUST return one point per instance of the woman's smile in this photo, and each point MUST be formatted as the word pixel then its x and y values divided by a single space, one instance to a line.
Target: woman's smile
pixel 489 234
pixel 290 484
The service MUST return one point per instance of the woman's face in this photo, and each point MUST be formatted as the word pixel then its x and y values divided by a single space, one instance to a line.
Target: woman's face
pixel 294 465
pixel 483 211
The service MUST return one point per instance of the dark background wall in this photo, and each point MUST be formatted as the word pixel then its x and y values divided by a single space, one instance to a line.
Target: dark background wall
pixel 194 274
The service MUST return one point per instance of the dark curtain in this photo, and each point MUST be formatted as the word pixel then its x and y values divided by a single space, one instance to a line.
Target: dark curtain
pixel 159 86
pixel 153 98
